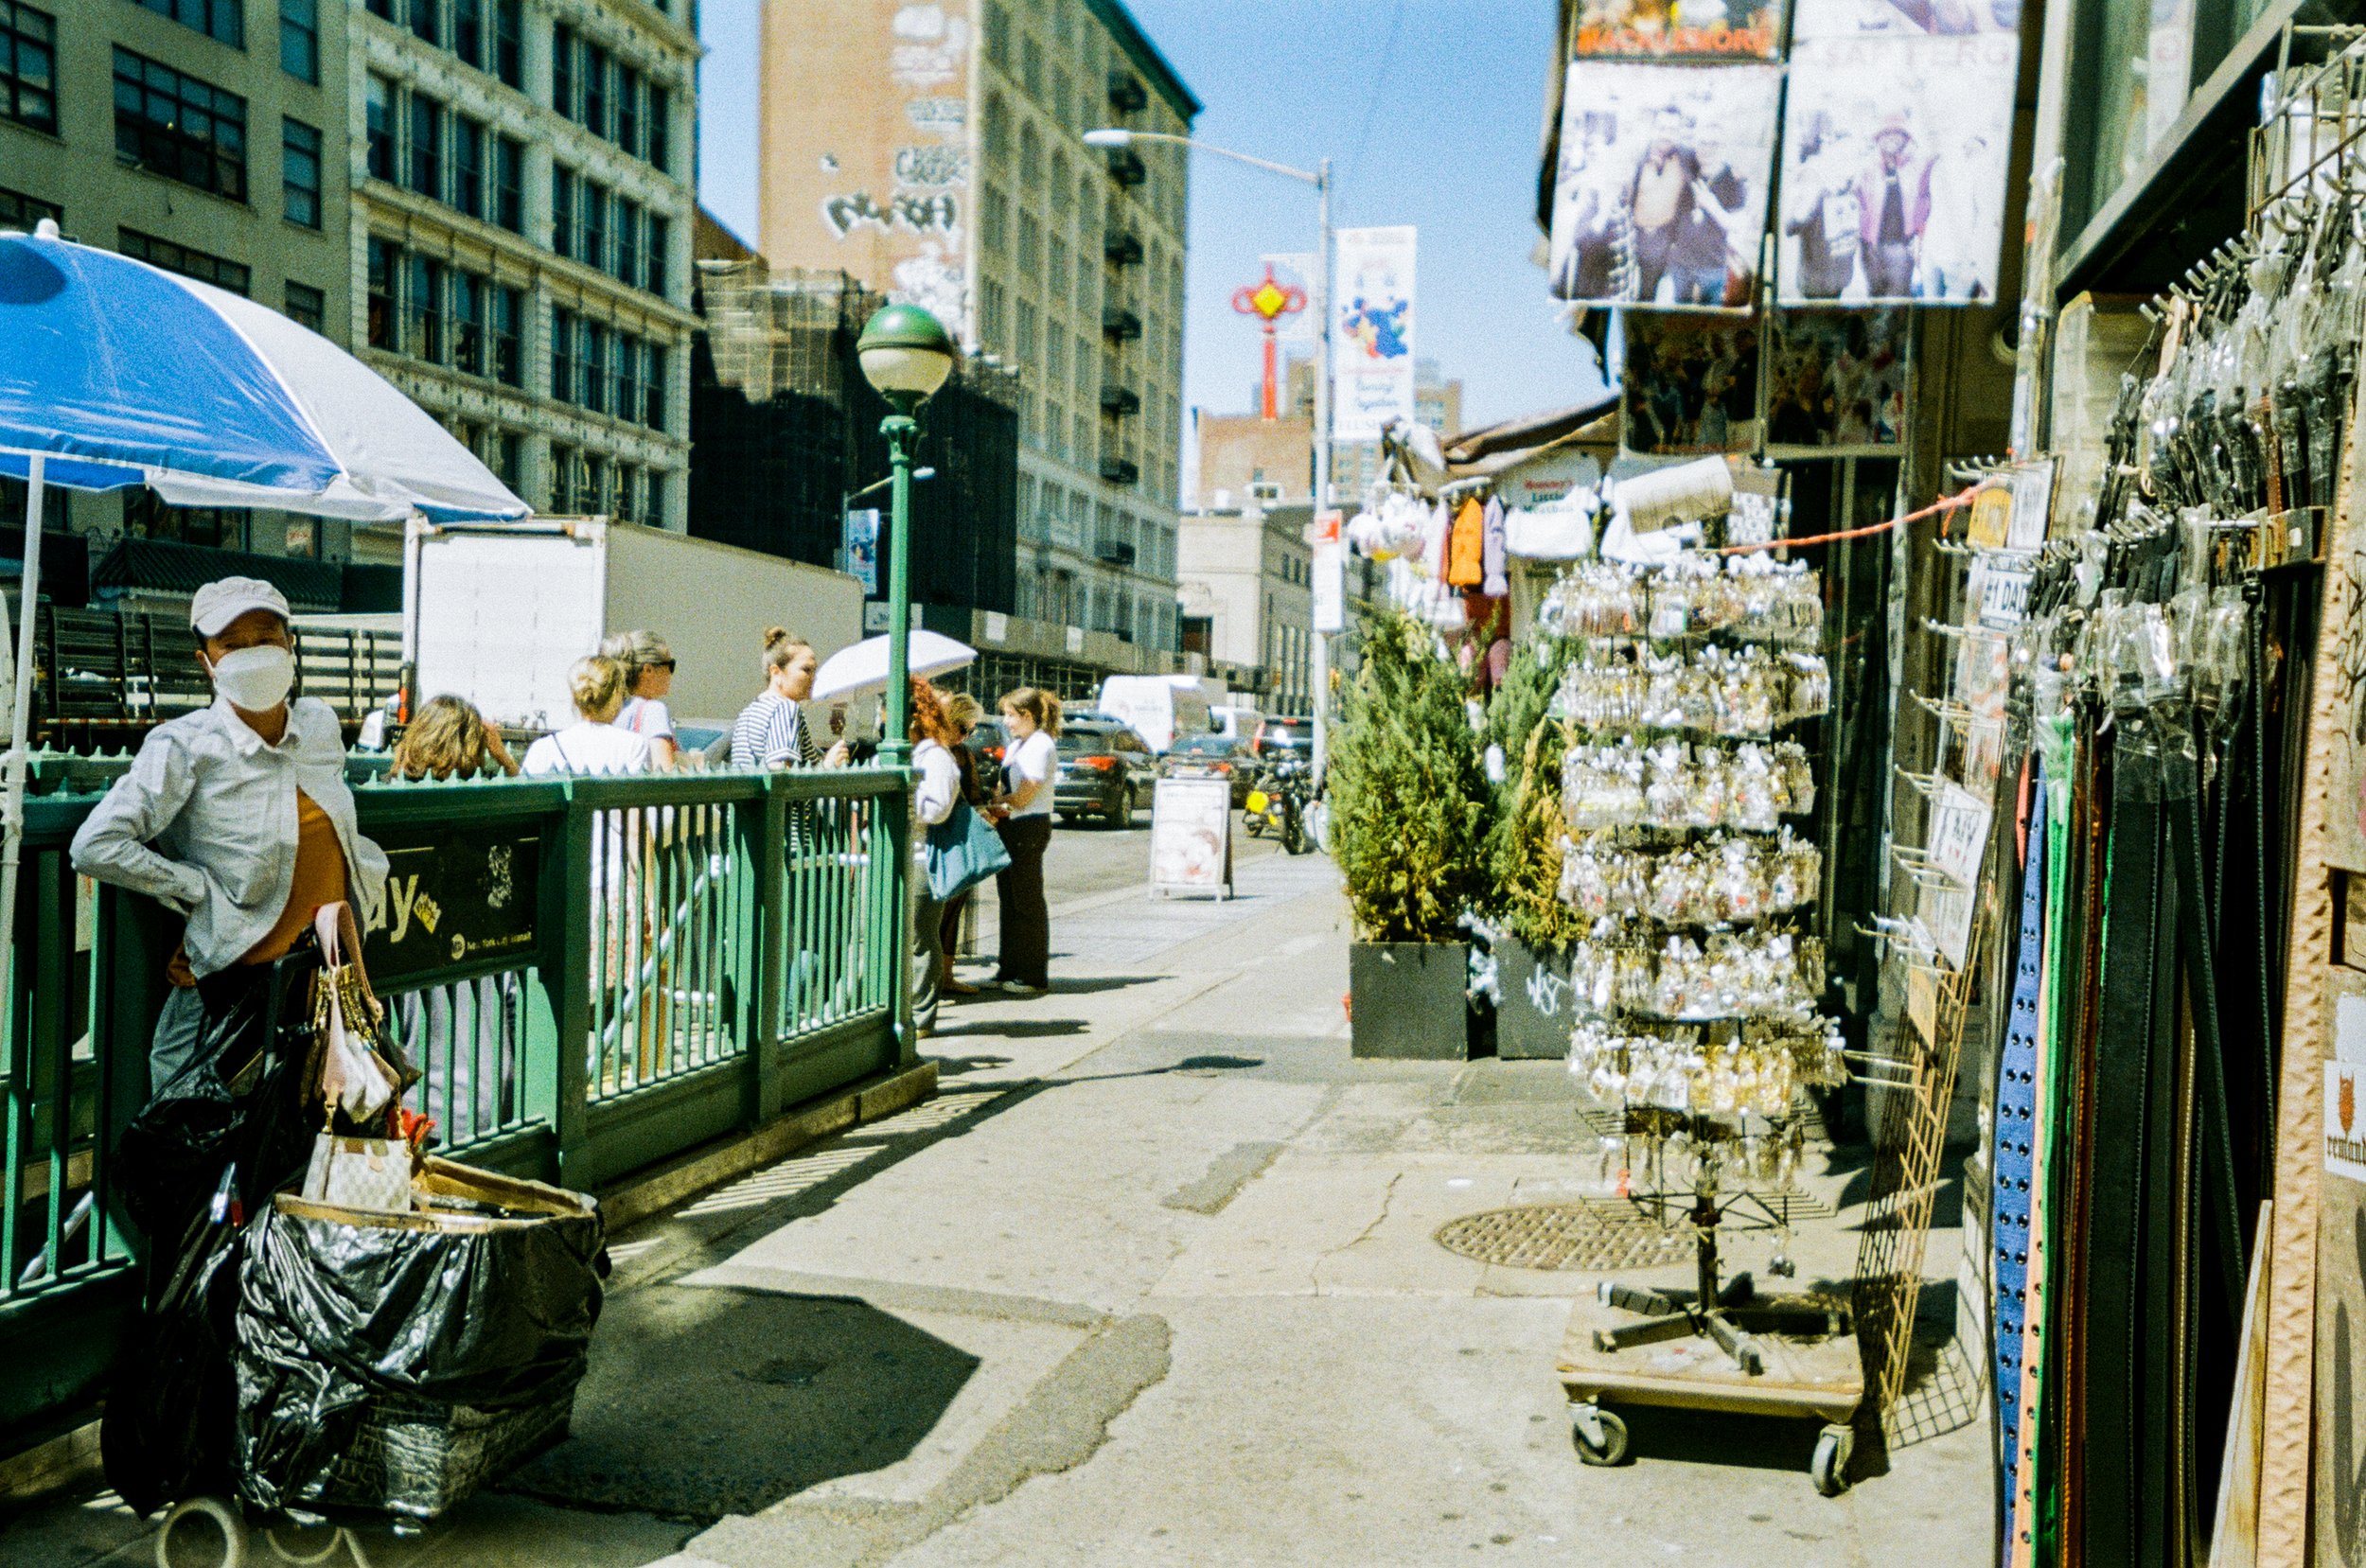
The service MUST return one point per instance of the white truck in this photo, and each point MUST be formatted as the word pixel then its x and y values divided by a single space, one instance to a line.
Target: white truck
pixel 496 612
pixel 1162 709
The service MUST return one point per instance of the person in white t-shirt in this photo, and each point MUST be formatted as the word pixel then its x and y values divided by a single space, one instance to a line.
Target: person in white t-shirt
pixel 593 745
pixel 648 666
pixel 1023 810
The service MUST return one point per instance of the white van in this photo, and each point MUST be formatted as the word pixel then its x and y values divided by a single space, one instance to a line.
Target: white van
pixel 1162 709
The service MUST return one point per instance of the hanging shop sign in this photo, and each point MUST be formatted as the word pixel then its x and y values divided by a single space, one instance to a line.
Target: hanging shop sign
pixel 1372 325
pixel 1661 191
pixel 1690 386
pixel 1895 146
pixel 1330 575
pixel 1750 30
pixel 1838 381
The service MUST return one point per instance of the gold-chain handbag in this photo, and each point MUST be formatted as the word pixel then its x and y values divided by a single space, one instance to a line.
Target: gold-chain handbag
pixel 356 1078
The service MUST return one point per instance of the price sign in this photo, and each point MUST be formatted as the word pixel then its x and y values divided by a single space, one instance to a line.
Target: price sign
pixel 1959 834
pixel 2000 594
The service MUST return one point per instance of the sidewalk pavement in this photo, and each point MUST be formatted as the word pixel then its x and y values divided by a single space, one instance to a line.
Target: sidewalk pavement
pixel 1153 1282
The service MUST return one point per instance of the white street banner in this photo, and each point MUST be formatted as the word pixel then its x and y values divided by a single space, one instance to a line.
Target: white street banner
pixel 1373 323
pixel 1660 196
pixel 1893 151
pixel 1330 611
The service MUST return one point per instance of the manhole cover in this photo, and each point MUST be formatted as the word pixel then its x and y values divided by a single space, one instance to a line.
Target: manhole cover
pixel 1591 1235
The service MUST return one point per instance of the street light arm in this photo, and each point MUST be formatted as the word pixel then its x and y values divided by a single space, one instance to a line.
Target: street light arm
pixel 1118 136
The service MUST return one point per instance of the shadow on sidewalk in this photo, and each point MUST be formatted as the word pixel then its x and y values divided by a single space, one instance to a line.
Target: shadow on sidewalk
pixel 712 1402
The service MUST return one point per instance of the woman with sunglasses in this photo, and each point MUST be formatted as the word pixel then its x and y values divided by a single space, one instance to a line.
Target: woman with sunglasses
pixel 648 666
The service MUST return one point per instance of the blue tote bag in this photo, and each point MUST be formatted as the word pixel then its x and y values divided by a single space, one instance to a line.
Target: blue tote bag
pixel 963 850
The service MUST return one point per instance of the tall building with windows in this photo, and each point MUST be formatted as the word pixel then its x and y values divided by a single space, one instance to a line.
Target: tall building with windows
pixel 208 137
pixel 522 174
pixel 936 153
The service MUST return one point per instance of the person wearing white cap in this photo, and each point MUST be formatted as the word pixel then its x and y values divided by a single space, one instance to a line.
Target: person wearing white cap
pixel 237 816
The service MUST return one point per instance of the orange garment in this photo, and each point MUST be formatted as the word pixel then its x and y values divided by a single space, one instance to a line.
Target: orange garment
pixel 1466 550
pixel 319 878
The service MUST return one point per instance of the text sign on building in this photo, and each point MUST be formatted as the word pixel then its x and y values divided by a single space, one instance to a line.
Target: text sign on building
pixel 1372 356
pixel 1330 575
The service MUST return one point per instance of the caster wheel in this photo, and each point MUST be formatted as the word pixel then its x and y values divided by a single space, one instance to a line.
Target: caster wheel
pixel 202 1532
pixel 306 1545
pixel 1830 1467
pixel 1600 1435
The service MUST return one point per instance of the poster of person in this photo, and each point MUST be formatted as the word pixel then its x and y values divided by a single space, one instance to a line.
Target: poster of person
pixel 1372 326
pixel 1661 191
pixel 1701 29
pixel 1691 385
pixel 1837 380
pixel 1895 146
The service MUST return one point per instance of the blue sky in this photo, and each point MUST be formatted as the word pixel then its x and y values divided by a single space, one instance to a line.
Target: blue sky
pixel 1429 110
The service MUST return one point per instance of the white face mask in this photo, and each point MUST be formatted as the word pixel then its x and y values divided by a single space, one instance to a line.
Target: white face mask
pixel 257 678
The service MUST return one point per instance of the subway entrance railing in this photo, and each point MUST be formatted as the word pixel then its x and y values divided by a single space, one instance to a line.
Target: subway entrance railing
pixel 595 974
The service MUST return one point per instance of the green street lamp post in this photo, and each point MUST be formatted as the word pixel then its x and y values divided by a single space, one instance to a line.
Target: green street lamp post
pixel 906 355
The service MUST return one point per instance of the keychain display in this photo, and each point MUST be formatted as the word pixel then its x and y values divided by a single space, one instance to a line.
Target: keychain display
pixel 1720 880
pixel 1674 783
pixel 1722 975
pixel 1731 693
pixel 1744 598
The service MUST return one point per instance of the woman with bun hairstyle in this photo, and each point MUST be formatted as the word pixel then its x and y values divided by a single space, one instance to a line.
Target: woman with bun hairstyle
pixel 1023 811
pixel 648 666
pixel 771 730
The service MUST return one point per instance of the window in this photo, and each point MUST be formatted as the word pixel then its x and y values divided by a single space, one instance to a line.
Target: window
pixel 628 375
pixel 423 310
pixel 300 172
pixel 300 39
pixel 224 19
pixel 307 306
pixel 377 116
pixel 509 53
pixel 661 239
pixel 509 184
pixel 629 98
pixel 595 226
pixel 467 31
pixel 511 465
pixel 562 478
pixel 180 128
pixel 595 369
pixel 629 257
pixel 595 94
pixel 427 20
pixel 653 385
pixel 509 361
pixel 386 274
pixel 563 69
pixel 20 211
pixel 29 66
pixel 562 359
pixel 467 322
pixel 563 193
pixel 468 165
pixel 382 7
pixel 218 270
pixel 146 516
pixel 426 146
pixel 661 128
pixel 653 514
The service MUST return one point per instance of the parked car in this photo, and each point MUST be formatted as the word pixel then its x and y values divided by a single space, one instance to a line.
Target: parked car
pixel 1107 771
pixel 1293 737
pixel 986 743
pixel 1211 757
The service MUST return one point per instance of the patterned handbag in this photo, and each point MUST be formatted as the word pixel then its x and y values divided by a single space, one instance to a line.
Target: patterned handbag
pixel 358 1076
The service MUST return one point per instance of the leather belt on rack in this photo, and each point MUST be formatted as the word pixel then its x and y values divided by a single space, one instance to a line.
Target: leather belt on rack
pixel 2012 1168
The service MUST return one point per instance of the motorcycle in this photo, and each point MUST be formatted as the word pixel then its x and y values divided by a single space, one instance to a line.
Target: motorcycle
pixel 1278 802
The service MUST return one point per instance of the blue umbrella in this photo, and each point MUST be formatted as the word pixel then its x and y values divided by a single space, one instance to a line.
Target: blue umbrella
pixel 115 374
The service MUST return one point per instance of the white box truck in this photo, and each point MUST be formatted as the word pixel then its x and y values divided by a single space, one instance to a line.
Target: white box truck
pixel 496 612
pixel 1162 709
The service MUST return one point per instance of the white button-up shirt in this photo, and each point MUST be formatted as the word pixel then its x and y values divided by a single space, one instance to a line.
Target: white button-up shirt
pixel 219 807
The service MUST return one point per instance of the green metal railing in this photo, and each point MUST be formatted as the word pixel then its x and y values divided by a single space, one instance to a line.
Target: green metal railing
pixel 594 975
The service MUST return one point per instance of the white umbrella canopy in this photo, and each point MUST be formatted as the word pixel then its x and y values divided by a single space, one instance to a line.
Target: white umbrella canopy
pixel 864 665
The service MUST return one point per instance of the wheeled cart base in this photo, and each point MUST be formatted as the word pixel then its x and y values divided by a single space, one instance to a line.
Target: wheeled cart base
pixel 1745 1354
pixel 213 1532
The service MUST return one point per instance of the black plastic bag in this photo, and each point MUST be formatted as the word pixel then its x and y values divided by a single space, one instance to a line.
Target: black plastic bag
pixel 237 1105
pixel 169 1409
pixel 492 1315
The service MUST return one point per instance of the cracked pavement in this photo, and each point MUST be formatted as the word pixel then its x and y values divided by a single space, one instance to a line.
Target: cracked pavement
pixel 1153 1282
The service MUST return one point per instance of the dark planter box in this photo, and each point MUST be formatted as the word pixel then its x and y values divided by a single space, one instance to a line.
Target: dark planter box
pixel 1532 1020
pixel 1405 999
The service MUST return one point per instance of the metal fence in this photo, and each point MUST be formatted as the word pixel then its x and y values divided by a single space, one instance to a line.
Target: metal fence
pixel 595 974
